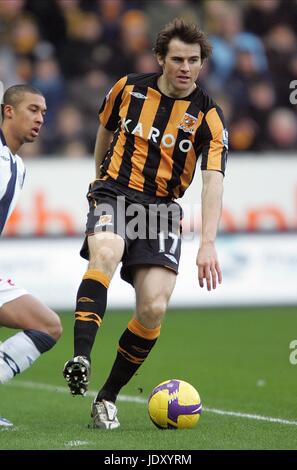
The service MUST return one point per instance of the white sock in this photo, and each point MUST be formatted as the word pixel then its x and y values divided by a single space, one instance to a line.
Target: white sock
pixel 16 354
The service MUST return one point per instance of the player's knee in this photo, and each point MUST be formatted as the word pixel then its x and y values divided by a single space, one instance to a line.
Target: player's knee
pixel 153 310
pixel 54 327
pixel 158 307
pixel 56 330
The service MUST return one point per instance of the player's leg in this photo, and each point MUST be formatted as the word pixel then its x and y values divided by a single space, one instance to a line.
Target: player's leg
pixel 105 252
pixel 153 287
pixel 150 265
pixel 41 329
pixel 103 248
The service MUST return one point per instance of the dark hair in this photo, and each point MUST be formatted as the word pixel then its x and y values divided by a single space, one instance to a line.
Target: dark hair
pixel 14 95
pixel 186 32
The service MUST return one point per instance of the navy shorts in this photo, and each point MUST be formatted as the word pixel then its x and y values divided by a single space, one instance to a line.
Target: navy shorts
pixel 150 226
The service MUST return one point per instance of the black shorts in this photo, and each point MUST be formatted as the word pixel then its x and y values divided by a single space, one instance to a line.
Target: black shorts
pixel 150 226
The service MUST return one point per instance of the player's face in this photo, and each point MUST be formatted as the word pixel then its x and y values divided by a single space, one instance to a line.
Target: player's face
pixel 28 117
pixel 181 67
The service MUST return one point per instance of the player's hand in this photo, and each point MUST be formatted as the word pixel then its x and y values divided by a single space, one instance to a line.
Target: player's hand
pixel 208 266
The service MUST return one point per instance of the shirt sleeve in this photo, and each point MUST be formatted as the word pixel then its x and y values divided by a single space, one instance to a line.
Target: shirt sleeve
pixel 214 146
pixel 109 111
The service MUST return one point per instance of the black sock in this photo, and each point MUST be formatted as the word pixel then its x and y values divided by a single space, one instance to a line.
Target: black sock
pixel 134 346
pixel 90 308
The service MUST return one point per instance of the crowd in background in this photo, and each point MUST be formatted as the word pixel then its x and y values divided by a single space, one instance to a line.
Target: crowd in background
pixel 74 51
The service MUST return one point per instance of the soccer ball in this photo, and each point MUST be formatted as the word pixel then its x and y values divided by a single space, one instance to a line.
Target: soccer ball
pixel 174 404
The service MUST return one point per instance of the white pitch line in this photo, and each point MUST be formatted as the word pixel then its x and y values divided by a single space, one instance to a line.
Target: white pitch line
pixel 237 414
pixel 143 401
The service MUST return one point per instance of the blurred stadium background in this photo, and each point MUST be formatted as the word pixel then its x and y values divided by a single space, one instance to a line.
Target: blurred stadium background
pixel 73 51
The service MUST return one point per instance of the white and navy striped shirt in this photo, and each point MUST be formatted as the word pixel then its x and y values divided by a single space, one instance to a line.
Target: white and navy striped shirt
pixel 12 175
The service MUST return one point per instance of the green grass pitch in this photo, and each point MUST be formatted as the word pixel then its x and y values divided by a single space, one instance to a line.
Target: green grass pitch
pixel 238 359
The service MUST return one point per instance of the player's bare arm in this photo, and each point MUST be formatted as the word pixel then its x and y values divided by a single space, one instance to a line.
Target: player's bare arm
pixel 207 260
pixel 103 141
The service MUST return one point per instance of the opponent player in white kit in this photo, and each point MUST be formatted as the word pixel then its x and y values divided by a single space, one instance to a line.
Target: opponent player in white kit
pixel 23 111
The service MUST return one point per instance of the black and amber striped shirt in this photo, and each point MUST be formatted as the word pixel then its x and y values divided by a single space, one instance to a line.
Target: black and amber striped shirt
pixel 157 139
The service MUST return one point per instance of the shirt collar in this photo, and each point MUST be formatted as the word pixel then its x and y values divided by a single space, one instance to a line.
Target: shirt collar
pixel 2 138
